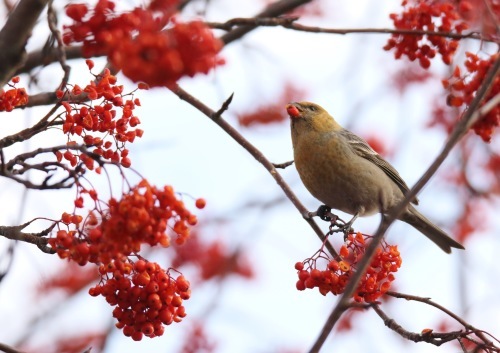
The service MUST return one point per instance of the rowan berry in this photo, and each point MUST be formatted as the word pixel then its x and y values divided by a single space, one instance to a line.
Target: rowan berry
pixel 335 277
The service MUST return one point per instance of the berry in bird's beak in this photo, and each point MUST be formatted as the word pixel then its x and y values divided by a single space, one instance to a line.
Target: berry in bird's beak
pixel 292 111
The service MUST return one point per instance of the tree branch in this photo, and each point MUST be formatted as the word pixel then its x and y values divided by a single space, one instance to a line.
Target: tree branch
pixel 454 316
pixel 290 23
pixel 14 36
pixel 434 338
pixel 276 9
pixel 15 233
pixel 8 349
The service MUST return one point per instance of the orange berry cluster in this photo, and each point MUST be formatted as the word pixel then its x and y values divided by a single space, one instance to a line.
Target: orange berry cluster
pixel 136 43
pixel 86 120
pixel 335 277
pixel 162 58
pixel 144 295
pixel 423 16
pixel 140 217
pixel 12 98
pixel 463 88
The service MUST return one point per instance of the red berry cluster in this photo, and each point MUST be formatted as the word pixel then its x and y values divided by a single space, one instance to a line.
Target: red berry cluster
pixel 212 259
pixel 335 277
pixel 145 296
pixel 71 279
pixel 463 88
pixel 87 120
pixel 136 44
pixel 12 98
pixel 142 216
pixel 162 58
pixel 435 16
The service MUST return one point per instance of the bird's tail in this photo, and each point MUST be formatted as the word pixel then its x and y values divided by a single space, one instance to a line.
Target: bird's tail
pixel 431 231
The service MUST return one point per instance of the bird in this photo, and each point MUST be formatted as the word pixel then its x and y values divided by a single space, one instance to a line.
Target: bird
pixel 342 171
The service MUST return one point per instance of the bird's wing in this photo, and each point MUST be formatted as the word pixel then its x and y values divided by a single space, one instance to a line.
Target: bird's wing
pixel 363 149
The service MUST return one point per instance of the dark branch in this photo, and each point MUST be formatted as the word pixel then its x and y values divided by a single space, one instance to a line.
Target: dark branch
pixel 290 23
pixel 223 108
pixel 15 233
pixel 454 316
pixel 283 165
pixel 276 9
pixel 14 36
pixel 434 338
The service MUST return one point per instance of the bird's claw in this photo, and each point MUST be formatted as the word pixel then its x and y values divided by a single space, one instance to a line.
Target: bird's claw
pixel 336 224
pixel 325 213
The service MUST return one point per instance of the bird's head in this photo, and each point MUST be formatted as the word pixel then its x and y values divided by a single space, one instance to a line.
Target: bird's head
pixel 310 116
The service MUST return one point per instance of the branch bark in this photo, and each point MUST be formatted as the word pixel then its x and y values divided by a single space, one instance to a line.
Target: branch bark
pixel 15 34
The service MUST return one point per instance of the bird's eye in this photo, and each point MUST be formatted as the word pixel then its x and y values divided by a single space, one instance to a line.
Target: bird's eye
pixel 312 108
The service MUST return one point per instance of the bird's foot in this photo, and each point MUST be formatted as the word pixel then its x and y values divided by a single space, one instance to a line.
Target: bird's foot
pixel 322 212
pixel 336 224
pixel 282 165
pixel 325 213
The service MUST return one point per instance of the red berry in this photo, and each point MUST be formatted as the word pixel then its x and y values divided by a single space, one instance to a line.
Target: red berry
pixel 200 203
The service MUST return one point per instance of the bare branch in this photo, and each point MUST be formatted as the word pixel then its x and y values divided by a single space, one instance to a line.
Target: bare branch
pixel 454 316
pixel 8 349
pixel 15 233
pixel 28 133
pixel 283 165
pixel 290 23
pixel 276 9
pixel 434 338
pixel 61 53
pixel 18 166
pixel 14 36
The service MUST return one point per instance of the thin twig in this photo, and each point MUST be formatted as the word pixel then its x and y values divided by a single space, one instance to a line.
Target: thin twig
pixel 283 165
pixel 61 52
pixel 15 233
pixel 434 338
pixel 290 23
pixel 28 133
pixel 448 312
pixel 275 9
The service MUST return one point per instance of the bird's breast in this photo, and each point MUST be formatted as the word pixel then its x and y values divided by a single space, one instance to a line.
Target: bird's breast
pixel 339 178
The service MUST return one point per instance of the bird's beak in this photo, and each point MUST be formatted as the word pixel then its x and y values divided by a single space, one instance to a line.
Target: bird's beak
pixel 293 110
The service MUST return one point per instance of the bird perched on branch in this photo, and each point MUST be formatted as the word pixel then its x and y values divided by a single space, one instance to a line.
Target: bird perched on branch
pixel 341 170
